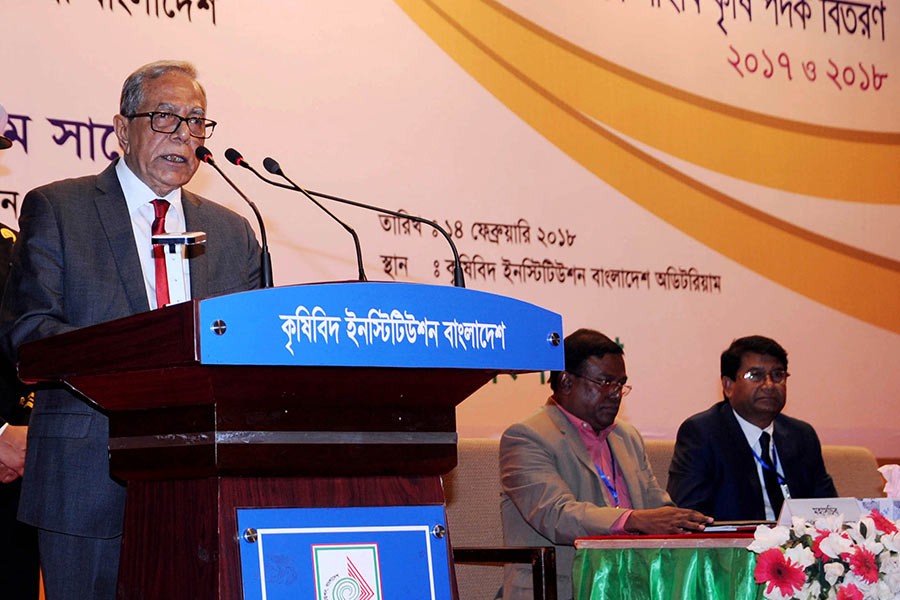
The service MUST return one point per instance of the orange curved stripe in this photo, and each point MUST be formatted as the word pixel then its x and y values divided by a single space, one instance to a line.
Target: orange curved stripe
pixel 820 161
pixel 853 281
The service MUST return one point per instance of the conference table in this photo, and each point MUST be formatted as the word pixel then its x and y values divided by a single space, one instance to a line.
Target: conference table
pixel 713 566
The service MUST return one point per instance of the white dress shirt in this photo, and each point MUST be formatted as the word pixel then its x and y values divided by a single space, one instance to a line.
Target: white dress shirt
pixel 138 197
pixel 752 433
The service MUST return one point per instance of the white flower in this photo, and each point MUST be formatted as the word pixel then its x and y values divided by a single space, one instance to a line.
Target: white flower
pixel 856 530
pixel 769 537
pixel 881 591
pixel 872 546
pixel 801 555
pixel 892 581
pixel 832 523
pixel 833 572
pixel 890 563
pixel 802 527
pixel 812 591
pixel 835 544
pixel 891 542
pixel 775 594
pixel 860 584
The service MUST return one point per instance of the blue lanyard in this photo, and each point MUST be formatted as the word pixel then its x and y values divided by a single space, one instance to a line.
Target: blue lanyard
pixel 781 480
pixel 610 486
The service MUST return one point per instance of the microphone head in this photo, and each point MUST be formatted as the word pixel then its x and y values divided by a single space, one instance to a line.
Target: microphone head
pixel 235 157
pixel 271 165
pixel 204 154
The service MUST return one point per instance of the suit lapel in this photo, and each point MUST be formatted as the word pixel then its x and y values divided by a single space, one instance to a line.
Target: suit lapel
pixel 740 457
pixel 194 221
pixel 626 464
pixel 786 449
pixel 113 214
pixel 576 447
pixel 571 438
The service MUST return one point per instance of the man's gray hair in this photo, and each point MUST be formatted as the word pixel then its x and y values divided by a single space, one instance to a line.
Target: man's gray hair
pixel 133 88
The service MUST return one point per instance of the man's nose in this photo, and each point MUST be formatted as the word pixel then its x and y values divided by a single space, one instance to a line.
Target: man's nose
pixel 182 133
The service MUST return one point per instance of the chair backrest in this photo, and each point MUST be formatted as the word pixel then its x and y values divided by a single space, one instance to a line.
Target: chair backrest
pixel 854 470
pixel 659 453
pixel 473 513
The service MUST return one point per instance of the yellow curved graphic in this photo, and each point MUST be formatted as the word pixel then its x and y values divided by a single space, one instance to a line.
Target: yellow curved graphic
pixel 808 159
pixel 853 281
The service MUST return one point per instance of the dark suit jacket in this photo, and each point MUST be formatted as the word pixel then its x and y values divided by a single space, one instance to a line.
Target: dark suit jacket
pixel 12 407
pixel 19 565
pixel 76 264
pixel 552 493
pixel 713 469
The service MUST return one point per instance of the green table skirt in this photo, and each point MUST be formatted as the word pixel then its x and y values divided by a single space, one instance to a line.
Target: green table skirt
pixel 665 574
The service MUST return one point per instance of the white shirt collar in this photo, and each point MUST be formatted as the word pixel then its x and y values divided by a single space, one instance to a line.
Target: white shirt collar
pixel 137 193
pixel 751 431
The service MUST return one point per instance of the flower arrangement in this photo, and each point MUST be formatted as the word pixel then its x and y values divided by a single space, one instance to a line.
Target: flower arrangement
pixel 829 559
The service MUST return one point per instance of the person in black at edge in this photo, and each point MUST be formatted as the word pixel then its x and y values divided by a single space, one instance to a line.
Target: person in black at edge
pixel 19 565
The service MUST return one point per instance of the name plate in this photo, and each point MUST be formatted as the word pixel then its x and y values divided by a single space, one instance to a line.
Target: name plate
pixel 812 509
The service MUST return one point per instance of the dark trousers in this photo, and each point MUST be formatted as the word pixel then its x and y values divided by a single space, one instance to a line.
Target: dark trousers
pixel 19 570
pixel 79 567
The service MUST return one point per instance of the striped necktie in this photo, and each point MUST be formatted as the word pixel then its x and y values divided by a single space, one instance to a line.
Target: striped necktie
pixel 160 207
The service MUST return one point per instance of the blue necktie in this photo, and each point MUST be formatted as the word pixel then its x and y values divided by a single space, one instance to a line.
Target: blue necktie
pixel 770 475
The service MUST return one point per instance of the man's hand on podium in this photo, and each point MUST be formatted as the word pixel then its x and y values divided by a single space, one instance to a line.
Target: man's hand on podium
pixel 667 520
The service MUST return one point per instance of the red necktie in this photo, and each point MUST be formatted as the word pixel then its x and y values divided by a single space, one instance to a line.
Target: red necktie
pixel 160 207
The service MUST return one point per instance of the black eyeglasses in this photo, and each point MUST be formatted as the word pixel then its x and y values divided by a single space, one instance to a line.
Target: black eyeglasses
pixel 166 122
pixel 606 386
pixel 778 376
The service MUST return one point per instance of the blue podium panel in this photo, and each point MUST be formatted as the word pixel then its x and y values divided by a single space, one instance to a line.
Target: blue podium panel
pixel 358 553
pixel 379 325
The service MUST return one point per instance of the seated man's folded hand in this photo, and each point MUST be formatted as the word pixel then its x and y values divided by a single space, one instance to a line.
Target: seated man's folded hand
pixel 666 520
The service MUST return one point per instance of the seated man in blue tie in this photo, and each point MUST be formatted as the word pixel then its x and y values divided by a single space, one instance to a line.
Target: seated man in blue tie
pixel 741 458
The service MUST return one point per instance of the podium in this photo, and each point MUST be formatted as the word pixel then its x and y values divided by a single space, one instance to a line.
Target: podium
pixel 309 396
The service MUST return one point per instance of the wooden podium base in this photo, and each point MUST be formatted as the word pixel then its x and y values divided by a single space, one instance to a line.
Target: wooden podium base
pixel 165 555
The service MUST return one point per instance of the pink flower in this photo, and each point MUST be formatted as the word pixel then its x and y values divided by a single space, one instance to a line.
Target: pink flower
pixel 849 592
pixel 774 568
pixel 863 565
pixel 882 523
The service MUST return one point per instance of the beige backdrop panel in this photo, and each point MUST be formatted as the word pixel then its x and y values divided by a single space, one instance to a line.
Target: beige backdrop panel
pixel 357 99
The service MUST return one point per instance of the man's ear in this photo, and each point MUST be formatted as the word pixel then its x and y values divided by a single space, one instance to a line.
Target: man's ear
pixel 727 386
pixel 565 382
pixel 120 124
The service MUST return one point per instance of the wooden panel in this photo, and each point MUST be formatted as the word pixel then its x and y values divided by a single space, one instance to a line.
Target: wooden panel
pixel 181 536
pixel 156 338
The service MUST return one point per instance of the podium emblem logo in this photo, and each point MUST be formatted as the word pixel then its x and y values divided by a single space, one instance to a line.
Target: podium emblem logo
pixel 347 572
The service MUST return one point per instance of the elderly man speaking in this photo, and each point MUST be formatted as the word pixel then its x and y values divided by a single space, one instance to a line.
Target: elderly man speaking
pixel 84 256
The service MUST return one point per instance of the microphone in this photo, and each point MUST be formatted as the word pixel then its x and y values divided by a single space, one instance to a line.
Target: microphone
pixel 205 155
pixel 272 166
pixel 235 158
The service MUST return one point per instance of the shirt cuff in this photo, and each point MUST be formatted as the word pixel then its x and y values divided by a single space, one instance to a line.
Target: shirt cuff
pixel 618 526
pixel 3 428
